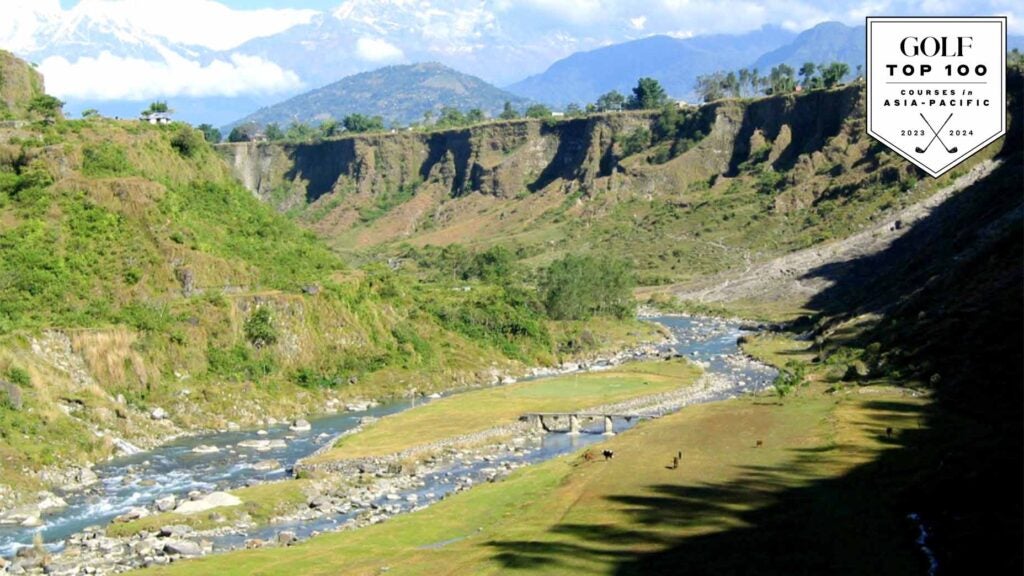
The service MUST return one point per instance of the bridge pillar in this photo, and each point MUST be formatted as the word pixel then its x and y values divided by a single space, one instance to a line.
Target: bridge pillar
pixel 609 428
pixel 574 424
pixel 539 423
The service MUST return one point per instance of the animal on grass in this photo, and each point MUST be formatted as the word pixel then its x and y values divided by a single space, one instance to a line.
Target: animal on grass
pixel 589 456
pixel 888 432
pixel 760 443
pixel 608 454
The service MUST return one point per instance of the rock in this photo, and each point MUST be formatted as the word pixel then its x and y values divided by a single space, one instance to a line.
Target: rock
pixel 266 465
pixel 300 425
pixel 32 521
pixel 166 504
pixel 233 427
pixel 183 548
pixel 174 531
pixel 205 449
pixel 158 414
pixel 261 432
pixel 320 501
pixel 85 477
pixel 286 538
pixel 132 514
pixel 212 500
pixel 254 543
pixel 50 501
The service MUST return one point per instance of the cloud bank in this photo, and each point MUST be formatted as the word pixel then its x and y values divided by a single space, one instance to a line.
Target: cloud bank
pixel 109 77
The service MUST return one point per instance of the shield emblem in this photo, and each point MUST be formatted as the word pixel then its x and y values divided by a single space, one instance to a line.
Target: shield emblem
pixel 936 87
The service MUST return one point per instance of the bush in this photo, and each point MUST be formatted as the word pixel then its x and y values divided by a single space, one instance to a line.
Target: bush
pixel 636 141
pixel 580 287
pixel 259 328
pixel 188 142
pixel 105 159
pixel 19 376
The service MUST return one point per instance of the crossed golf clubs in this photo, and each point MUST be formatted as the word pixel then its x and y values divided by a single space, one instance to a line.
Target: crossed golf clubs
pixel 935 137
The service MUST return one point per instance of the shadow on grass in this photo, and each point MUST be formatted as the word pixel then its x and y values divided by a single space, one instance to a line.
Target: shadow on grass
pixel 950 292
pixel 770 520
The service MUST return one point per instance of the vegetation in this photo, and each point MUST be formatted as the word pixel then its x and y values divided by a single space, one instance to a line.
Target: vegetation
pixel 210 134
pixel 648 95
pixel 579 287
pixel 780 80
pixel 482 409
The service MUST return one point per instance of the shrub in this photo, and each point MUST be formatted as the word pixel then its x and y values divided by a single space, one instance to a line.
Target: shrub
pixel 105 159
pixel 188 142
pixel 579 287
pixel 19 376
pixel 259 328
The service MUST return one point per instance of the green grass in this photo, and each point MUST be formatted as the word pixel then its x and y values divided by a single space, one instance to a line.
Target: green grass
pixel 259 504
pixel 479 410
pixel 731 505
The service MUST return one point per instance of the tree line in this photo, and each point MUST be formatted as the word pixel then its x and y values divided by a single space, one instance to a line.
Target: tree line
pixel 782 79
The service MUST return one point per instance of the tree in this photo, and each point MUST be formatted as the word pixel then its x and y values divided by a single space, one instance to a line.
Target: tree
pixel 744 77
pixel 807 74
pixel 731 85
pixel 475 116
pixel 538 111
pixel 781 80
pixel 833 73
pixel 273 132
pixel 211 134
pixel 329 128
pixel 573 109
pixel 361 123
pixel 188 142
pixel 90 114
pixel 243 133
pixel 157 107
pixel 610 101
pixel 647 95
pixel 709 86
pixel 580 287
pixel 451 117
pixel 46 106
pixel 508 112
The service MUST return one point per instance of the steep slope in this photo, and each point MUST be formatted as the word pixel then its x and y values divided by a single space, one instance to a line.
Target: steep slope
pixel 399 94
pixel 674 62
pixel 680 194
pixel 19 84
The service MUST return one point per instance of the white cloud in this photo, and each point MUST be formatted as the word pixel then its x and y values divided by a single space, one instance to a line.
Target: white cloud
pixel 377 50
pixel 638 23
pixel 109 77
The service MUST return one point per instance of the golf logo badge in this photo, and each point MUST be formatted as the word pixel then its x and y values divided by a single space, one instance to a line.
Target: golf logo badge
pixel 936 87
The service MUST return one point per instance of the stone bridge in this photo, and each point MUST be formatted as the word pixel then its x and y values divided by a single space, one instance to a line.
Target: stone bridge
pixel 542 420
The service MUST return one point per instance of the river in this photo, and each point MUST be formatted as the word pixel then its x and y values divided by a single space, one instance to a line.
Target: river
pixel 174 469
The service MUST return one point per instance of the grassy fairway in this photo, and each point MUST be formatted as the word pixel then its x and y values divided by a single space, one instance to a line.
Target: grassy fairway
pixel 809 500
pixel 479 410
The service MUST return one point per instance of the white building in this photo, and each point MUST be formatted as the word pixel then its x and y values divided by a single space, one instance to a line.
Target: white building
pixel 157 118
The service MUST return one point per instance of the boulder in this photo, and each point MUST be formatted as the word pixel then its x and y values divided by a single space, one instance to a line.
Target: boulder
pixel 132 514
pixel 300 425
pixel 205 449
pixel 166 504
pixel 286 538
pixel 50 501
pixel 158 414
pixel 208 502
pixel 174 531
pixel 266 465
pixel 182 548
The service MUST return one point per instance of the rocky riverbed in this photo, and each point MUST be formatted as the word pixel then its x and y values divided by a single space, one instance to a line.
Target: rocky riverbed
pixel 362 492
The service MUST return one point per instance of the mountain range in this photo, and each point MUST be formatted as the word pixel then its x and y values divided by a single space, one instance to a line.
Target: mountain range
pixel 400 94
pixel 218 81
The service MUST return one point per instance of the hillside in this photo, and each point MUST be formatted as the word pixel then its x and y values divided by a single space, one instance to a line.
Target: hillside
pixel 700 191
pixel 675 62
pixel 19 83
pixel 145 293
pixel 399 94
